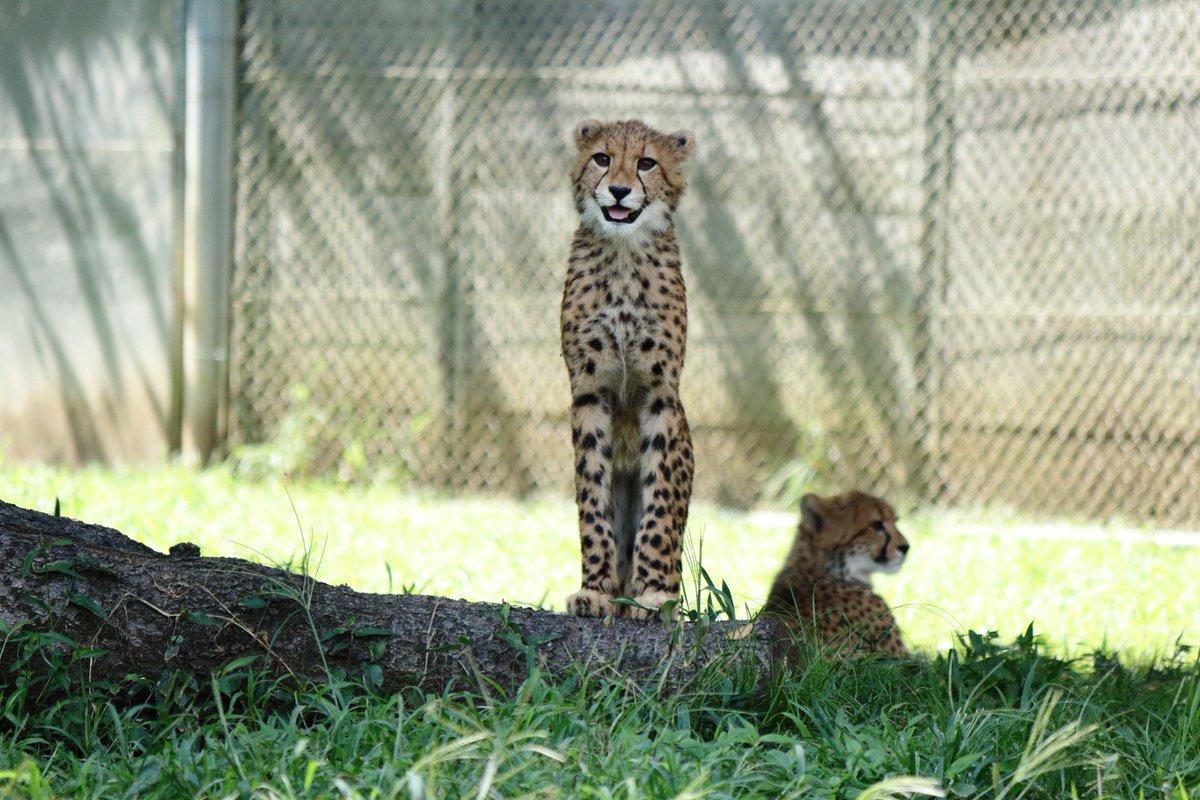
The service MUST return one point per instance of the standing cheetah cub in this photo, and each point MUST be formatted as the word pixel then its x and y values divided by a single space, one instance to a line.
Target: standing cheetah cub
pixel 624 326
pixel 825 584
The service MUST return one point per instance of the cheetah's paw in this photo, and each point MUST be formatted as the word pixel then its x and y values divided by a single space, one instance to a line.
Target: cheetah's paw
pixel 591 603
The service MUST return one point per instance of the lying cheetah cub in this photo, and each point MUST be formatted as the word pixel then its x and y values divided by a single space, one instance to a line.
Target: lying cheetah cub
pixel 624 326
pixel 825 584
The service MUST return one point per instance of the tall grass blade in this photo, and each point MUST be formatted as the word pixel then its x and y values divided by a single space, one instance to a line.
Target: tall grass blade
pixel 902 786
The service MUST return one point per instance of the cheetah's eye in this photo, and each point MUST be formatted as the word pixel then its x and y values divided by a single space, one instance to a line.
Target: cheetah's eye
pixel 601 159
pixel 646 164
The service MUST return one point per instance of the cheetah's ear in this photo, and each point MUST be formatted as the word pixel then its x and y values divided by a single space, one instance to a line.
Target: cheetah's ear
pixel 682 143
pixel 811 516
pixel 586 131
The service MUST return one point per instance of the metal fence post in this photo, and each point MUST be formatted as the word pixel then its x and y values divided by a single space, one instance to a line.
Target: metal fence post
pixel 448 186
pixel 936 62
pixel 210 69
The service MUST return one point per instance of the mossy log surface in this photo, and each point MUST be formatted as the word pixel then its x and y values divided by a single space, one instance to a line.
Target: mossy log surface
pixel 147 612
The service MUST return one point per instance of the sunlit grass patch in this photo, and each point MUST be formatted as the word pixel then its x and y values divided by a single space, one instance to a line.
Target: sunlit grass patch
pixel 1086 586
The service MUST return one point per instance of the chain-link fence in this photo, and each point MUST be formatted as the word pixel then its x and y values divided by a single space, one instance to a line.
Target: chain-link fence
pixel 943 250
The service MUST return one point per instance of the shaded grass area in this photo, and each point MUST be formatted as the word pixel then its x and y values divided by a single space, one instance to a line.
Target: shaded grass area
pixel 1085 589
pixel 987 720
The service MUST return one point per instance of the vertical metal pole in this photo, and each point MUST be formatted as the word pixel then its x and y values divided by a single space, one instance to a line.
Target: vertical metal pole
pixel 455 345
pixel 445 287
pixel 178 181
pixel 210 62
pixel 936 87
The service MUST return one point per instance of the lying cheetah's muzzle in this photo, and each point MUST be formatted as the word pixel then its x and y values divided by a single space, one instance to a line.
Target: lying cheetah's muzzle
pixel 620 214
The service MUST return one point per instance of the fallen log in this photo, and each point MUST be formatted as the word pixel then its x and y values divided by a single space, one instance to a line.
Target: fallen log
pixel 142 612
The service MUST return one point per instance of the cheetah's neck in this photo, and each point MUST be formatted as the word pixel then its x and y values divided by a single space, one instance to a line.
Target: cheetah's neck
pixel 806 568
pixel 626 253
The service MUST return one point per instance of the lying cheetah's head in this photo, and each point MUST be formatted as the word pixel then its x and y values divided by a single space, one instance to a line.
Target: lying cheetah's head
pixel 854 534
pixel 628 177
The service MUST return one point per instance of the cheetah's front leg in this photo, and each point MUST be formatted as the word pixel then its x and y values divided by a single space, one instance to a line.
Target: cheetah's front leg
pixel 591 434
pixel 666 492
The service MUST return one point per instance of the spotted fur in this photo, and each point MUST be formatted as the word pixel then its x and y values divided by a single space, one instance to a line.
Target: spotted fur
pixel 624 331
pixel 824 587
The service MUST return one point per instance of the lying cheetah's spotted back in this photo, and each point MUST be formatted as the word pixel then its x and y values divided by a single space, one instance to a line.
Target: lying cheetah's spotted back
pixel 824 587
pixel 624 329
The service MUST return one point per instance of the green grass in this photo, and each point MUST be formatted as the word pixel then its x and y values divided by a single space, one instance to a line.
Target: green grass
pixel 1086 588
pixel 995 722
pixel 1103 703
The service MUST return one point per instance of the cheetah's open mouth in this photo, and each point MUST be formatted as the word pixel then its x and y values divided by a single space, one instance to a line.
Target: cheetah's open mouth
pixel 620 214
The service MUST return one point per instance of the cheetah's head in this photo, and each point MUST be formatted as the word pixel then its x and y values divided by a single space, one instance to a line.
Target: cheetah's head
pixel 854 533
pixel 628 177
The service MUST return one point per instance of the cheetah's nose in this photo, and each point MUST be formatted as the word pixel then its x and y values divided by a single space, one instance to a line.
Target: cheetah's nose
pixel 903 548
pixel 619 192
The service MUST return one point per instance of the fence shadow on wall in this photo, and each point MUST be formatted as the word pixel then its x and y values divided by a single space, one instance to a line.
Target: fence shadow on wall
pixel 84 253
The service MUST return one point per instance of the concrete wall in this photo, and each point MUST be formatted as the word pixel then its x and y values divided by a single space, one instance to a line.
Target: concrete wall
pixel 89 99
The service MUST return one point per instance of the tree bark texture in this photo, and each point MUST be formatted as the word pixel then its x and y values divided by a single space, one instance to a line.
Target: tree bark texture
pixel 146 612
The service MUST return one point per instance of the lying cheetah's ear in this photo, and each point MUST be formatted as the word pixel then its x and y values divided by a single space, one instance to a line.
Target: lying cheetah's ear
pixel 682 143
pixel 811 518
pixel 586 131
